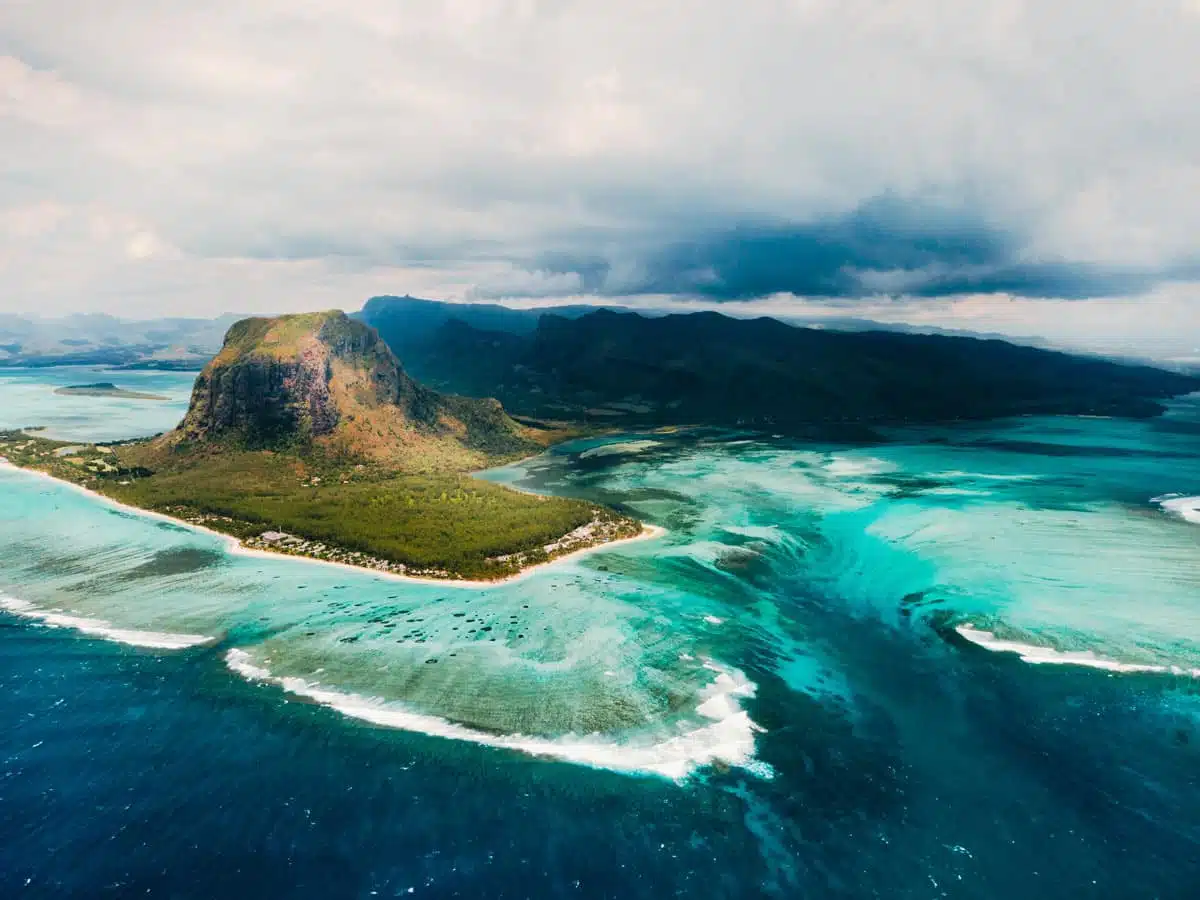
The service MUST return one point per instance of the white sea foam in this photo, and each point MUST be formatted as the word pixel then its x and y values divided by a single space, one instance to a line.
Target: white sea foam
pixel 155 640
pixel 772 533
pixel 727 738
pixel 955 492
pixel 1187 508
pixel 984 476
pixel 623 448
pixel 845 466
pixel 1039 655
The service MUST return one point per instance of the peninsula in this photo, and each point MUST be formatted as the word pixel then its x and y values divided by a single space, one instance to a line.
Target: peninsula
pixel 306 436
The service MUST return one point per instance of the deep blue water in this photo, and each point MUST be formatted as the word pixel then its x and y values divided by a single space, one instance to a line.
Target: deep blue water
pixel 896 758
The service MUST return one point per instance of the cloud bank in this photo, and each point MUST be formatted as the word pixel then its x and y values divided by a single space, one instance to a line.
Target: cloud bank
pixel 163 156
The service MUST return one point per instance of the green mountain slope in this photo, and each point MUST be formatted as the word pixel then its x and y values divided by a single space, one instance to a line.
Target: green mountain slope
pixel 323 381
pixel 625 369
pixel 305 435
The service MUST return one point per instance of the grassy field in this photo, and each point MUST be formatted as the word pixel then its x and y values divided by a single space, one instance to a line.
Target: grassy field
pixel 451 523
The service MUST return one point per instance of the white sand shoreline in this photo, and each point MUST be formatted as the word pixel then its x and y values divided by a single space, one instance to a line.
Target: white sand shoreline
pixel 235 546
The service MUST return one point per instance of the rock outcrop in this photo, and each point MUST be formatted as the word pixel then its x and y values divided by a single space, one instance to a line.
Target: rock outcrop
pixel 325 379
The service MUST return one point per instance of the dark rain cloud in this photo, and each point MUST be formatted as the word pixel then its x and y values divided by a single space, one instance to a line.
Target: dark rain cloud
pixel 593 270
pixel 172 155
pixel 885 246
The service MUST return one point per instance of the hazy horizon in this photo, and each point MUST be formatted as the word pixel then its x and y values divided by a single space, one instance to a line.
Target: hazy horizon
pixel 1171 349
pixel 996 168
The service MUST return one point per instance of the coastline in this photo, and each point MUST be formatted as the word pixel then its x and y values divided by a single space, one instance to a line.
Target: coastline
pixel 236 547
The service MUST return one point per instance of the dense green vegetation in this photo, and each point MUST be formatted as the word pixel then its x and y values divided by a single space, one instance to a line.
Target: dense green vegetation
pixel 452 523
pixel 445 521
pixel 630 371
pixel 406 323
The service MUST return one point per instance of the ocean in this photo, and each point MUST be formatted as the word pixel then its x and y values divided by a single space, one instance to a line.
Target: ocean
pixel 961 662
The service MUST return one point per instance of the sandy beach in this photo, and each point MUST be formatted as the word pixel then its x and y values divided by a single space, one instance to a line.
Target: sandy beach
pixel 235 546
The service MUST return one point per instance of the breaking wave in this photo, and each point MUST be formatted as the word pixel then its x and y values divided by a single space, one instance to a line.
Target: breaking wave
pixel 727 737
pixel 1042 655
pixel 154 640
pixel 1187 508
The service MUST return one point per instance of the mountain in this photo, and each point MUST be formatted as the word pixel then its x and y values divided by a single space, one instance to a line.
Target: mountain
pixel 96 339
pixel 326 382
pixel 629 370
pixel 305 435
pixel 401 319
pixel 409 325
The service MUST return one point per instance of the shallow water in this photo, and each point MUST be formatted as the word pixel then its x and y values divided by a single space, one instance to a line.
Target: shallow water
pixel 786 695
pixel 27 398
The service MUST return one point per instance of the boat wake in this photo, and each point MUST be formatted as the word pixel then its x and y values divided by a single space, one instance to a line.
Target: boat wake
pixel 723 733
pixel 154 640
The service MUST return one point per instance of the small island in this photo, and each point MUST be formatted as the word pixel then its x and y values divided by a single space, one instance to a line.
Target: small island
pixel 306 437
pixel 106 389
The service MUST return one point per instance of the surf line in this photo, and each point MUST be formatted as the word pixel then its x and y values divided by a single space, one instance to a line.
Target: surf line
pixel 724 734
pixel 1038 656
pixel 154 640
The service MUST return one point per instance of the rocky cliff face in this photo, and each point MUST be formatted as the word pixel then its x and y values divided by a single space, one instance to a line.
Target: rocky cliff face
pixel 293 380
pixel 260 401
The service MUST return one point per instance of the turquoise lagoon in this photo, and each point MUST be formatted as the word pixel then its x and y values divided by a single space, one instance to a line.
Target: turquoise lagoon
pixel 27 398
pixel 958 662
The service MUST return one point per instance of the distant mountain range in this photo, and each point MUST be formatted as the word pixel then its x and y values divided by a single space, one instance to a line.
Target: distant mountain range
pixel 189 343
pixel 599 366
pixel 629 370
pixel 96 339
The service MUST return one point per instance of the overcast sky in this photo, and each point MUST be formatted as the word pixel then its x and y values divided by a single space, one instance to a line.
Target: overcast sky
pixel 1032 167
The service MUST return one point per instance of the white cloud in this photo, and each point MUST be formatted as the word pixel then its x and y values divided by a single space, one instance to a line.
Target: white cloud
pixel 28 222
pixel 148 245
pixel 319 150
pixel 38 98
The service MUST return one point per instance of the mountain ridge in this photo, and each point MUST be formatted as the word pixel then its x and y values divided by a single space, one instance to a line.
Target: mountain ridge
pixel 625 370
pixel 325 381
